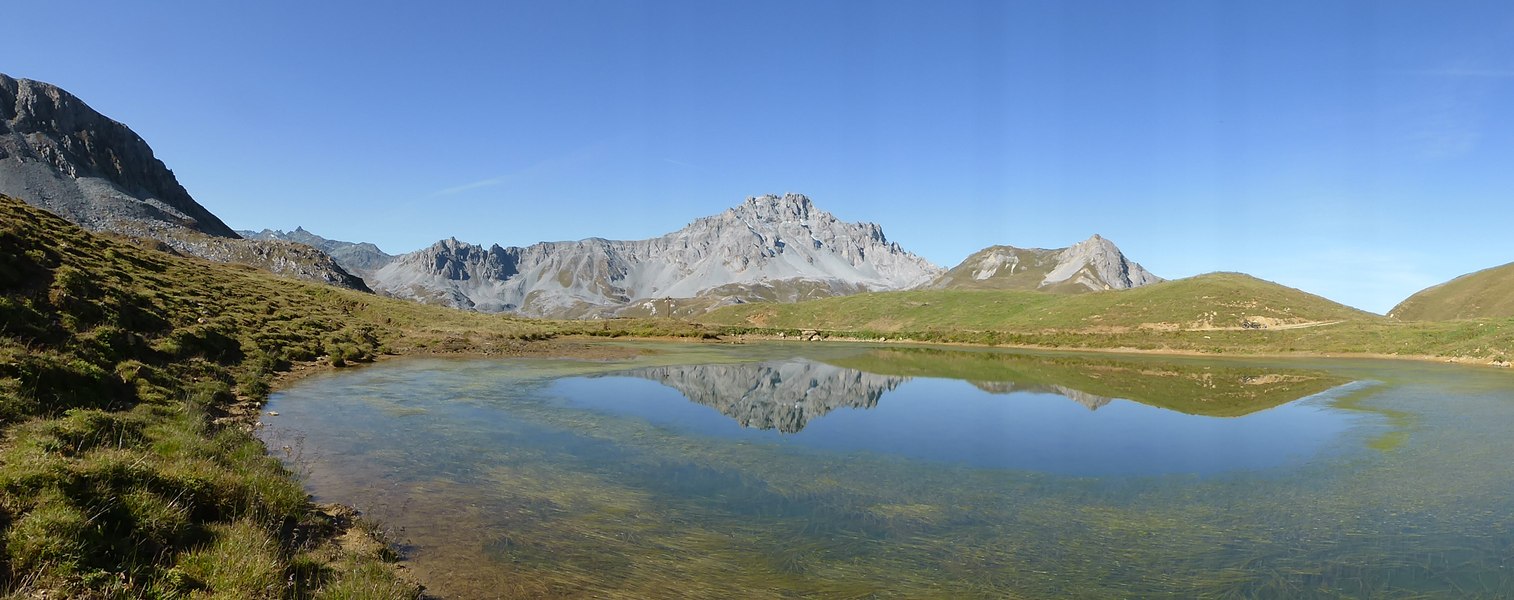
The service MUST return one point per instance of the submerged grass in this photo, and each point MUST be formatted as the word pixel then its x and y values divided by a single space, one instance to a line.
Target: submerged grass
pixel 567 503
pixel 128 377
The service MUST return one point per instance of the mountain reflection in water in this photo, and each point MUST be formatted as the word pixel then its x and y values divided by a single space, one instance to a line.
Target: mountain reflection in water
pixel 781 395
pixel 902 472
pixel 787 395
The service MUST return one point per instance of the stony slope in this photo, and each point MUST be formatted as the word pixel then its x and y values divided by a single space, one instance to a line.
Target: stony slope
pixel 1486 293
pixel 59 154
pixel 359 258
pixel 779 247
pixel 1094 264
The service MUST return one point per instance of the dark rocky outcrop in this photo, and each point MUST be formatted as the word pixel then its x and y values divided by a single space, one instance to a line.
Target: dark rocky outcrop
pixel 59 154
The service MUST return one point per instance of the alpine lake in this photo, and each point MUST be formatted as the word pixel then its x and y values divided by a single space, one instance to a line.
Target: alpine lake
pixel 785 470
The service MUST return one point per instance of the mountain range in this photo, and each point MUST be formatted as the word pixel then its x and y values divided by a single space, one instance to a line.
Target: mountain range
pixel 769 248
pixel 358 258
pixel 59 154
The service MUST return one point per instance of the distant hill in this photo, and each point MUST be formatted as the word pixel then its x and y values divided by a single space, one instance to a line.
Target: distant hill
pixel 1094 264
pixel 59 154
pixel 1216 301
pixel 768 247
pixel 1486 293
pixel 359 258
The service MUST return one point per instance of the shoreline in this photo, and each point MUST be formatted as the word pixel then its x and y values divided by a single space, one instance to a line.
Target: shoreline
pixel 1461 360
pixel 352 532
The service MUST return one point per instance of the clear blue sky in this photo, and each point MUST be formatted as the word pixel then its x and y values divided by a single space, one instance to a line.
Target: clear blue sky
pixel 1358 150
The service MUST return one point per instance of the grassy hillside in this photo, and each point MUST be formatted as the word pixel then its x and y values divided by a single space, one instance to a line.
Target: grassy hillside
pixel 1215 301
pixel 1486 293
pixel 1221 313
pixel 127 381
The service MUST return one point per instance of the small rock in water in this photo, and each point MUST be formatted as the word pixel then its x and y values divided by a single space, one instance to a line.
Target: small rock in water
pixel 273 413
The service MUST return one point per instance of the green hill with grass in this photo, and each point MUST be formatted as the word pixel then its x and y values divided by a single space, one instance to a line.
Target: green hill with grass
pixel 1217 301
pixel 129 381
pixel 1218 313
pixel 1486 293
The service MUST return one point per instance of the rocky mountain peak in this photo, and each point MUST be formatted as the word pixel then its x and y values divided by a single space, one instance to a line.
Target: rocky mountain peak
pixel 770 210
pixel 58 153
pixel 1095 248
pixel 766 247
pixel 1097 263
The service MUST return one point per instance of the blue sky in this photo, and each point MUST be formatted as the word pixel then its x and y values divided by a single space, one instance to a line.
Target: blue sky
pixel 1357 150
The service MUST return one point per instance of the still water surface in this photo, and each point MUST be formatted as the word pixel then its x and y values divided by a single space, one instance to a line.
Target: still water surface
pixel 851 471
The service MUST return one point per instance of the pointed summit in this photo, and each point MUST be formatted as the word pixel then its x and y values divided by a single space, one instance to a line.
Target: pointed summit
pixel 1096 263
pixel 1093 264
pixel 771 207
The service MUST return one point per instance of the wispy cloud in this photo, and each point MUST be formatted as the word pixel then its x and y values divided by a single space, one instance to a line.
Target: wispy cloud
pixel 1465 72
pixel 677 162
pixel 542 167
pixel 483 183
pixel 1450 125
pixel 1447 116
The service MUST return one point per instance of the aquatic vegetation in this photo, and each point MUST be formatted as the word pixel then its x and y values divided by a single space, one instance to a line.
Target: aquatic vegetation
pixel 548 498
